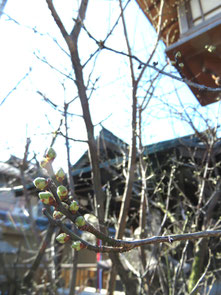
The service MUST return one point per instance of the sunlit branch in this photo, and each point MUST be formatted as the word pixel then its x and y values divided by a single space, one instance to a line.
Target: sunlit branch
pixel 16 86
pixel 55 106
pixel 91 56
pixel 54 68
pixel 72 139
pixel 37 32
pixel 124 246
pixel 184 80
pixel 81 16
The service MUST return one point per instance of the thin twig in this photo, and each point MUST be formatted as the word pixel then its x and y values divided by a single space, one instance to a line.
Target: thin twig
pixel 202 276
pixel 71 138
pixel 53 68
pixel 16 86
pixel 183 80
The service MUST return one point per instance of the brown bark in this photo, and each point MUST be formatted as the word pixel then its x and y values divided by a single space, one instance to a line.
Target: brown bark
pixel 72 42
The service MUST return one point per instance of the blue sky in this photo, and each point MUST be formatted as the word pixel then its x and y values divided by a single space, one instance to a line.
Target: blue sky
pixel 25 114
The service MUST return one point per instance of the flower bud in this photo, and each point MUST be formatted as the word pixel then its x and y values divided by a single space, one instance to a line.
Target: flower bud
pixel 60 175
pixel 63 238
pixel 73 207
pixel 40 183
pixel 178 54
pixel 80 221
pixel 77 245
pixel 57 214
pixel 47 198
pixel 44 163
pixel 62 192
pixel 51 154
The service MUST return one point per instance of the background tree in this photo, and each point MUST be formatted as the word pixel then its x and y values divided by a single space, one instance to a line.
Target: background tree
pixel 174 220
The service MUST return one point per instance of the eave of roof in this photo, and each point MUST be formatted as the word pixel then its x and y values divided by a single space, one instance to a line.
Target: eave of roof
pixel 188 141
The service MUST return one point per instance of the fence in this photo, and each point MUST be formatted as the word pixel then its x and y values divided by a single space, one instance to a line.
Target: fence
pixel 87 275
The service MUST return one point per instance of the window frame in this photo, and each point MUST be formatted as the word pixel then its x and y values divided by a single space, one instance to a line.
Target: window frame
pixel 185 19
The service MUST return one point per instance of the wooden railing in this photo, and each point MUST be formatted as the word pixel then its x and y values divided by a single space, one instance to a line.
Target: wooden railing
pixel 86 274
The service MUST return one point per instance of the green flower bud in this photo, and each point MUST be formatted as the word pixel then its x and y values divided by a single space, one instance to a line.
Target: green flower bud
pixel 80 221
pixel 73 207
pixel 178 54
pixel 40 183
pixel 63 238
pixel 77 245
pixel 57 214
pixel 44 163
pixel 60 175
pixel 47 198
pixel 62 192
pixel 51 154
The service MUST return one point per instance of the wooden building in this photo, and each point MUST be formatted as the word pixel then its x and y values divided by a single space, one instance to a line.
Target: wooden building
pixel 182 152
pixel 191 31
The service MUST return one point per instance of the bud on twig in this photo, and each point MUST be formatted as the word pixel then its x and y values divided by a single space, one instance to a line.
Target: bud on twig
pixel 178 54
pixel 57 214
pixel 40 183
pixel 44 163
pixel 73 207
pixel 47 198
pixel 62 192
pixel 77 245
pixel 51 154
pixel 63 238
pixel 80 221
pixel 60 175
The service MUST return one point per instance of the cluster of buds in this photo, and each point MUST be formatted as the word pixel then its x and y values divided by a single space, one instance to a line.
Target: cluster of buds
pixel 62 192
pixel 64 238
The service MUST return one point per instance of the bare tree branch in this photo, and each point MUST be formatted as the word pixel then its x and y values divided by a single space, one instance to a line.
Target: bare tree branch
pixel 125 246
pixel 160 71
pixel 16 86
pixel 78 22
